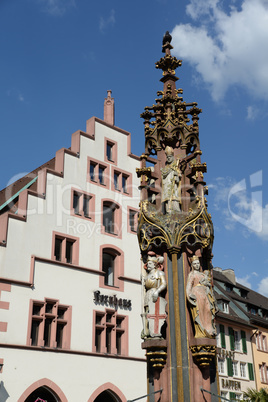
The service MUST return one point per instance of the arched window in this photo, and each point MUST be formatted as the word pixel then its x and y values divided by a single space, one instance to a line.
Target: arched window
pixel 106 396
pixel 43 389
pixel 42 394
pixel 108 261
pixel 112 266
pixel 108 393
pixel 111 218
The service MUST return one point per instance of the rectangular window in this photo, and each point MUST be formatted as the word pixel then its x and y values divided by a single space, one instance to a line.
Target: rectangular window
pixel 125 183
pixel 98 172
pixel 69 251
pixel 59 334
pixel 83 204
pixel 221 366
pixel 76 197
pixel 264 343
pixel 110 333
pixel 109 151
pixel 86 201
pixel 133 220
pixel 50 324
pixel 237 346
pixel 243 370
pixel 258 343
pixel 65 249
pixel 92 171
pixel 262 375
pixel 116 180
pixel 121 181
pixel 58 248
pixel 244 341
pixel 35 331
pixel 235 369
pixel 101 174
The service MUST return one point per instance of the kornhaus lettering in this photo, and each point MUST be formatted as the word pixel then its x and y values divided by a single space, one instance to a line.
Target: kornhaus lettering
pixel 111 300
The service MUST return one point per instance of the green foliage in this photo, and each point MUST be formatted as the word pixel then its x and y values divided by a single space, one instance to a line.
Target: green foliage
pixel 253 395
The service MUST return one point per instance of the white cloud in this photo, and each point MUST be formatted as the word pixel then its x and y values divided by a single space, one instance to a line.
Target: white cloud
pixel 263 286
pixel 244 281
pixel 226 47
pixel 263 234
pixel 15 93
pixel 107 22
pixel 219 191
pixel 57 7
pixel 21 98
pixel 241 204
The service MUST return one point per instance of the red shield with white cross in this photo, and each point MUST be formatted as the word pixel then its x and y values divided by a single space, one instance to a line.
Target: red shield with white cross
pixel 156 316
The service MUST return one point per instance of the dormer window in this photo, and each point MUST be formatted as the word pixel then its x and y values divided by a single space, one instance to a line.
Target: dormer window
pixel 243 293
pixel 225 307
pixel 253 310
pixel 228 287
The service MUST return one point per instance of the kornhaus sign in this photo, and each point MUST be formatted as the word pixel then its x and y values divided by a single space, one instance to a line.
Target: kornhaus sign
pixel 111 301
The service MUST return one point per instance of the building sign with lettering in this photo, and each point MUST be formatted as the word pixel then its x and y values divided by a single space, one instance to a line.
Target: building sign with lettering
pixel 222 353
pixel 112 301
pixel 230 384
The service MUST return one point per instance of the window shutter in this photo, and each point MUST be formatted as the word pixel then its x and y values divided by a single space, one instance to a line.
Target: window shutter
pixel 244 341
pixel 231 336
pixel 222 335
pixel 230 371
pixel 232 396
pixel 250 371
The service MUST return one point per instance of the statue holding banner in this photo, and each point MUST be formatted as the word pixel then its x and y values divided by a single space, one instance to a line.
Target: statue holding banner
pixel 171 183
pixel 154 283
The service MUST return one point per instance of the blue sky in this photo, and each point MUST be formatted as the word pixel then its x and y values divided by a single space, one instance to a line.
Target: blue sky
pixel 59 57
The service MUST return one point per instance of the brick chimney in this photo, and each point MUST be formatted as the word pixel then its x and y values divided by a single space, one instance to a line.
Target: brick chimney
pixel 109 109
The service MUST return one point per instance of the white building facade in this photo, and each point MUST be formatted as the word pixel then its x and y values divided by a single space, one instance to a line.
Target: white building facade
pixel 70 274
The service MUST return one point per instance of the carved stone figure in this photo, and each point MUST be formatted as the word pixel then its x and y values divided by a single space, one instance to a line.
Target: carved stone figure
pixel 202 301
pixel 154 283
pixel 171 183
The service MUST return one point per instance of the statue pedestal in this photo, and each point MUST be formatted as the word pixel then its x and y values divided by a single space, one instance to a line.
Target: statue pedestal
pixel 156 353
pixel 203 351
pixel 204 355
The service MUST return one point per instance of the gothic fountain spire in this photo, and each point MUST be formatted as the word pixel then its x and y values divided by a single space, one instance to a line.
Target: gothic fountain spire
pixel 175 234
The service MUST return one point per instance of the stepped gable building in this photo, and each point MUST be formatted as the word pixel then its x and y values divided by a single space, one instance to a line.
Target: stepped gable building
pixel 69 279
pixel 242 326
